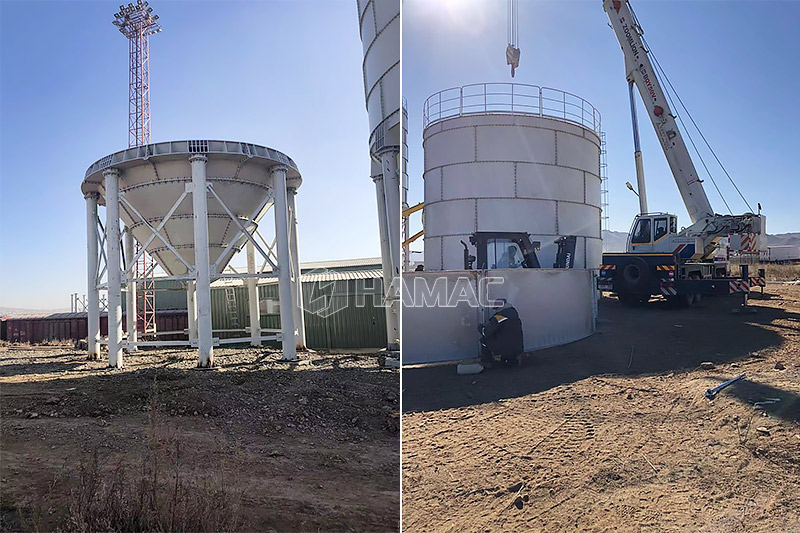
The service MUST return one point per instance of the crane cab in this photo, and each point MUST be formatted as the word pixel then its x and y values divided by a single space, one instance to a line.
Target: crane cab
pixel 653 233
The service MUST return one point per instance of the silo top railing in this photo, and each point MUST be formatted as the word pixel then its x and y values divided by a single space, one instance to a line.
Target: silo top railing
pixel 509 99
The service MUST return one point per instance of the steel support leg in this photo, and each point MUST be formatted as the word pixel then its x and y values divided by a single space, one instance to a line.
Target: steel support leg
pixel 114 273
pixel 92 293
pixel 191 306
pixel 297 285
pixel 252 297
pixel 387 188
pixel 392 328
pixel 130 298
pixel 205 348
pixel 284 261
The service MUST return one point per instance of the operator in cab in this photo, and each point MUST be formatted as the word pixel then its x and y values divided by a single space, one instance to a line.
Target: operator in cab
pixel 501 337
pixel 509 258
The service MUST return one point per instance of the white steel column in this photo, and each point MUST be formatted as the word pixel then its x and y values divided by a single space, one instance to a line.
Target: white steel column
pixel 392 315
pixel 205 348
pixel 92 293
pixel 111 176
pixel 297 285
pixel 284 261
pixel 191 306
pixel 252 297
pixel 130 298
pixel 391 186
pixel 391 191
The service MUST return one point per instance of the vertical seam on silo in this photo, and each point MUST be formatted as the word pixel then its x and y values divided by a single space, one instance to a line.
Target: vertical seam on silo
pixel 584 186
pixel 557 232
pixel 600 223
pixel 475 146
pixel 585 251
pixel 441 183
pixel 515 180
pixel 476 215
pixel 383 104
pixel 556 135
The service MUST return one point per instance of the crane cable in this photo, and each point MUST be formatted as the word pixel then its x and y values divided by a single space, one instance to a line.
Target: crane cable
pixel 669 83
pixel 688 134
pixel 513 24
pixel 688 114
pixel 512 50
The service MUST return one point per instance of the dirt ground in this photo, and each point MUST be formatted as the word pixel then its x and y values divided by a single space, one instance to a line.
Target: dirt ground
pixel 614 433
pixel 308 447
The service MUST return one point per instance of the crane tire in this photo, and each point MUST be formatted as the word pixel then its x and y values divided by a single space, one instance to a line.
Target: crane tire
pixel 635 277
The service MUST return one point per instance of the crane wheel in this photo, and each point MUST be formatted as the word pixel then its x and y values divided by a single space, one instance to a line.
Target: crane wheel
pixel 635 277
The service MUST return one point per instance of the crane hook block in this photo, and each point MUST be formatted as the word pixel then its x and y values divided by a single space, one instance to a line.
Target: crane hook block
pixel 512 58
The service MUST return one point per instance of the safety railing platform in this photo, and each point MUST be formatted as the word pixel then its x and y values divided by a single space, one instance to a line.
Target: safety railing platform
pixel 510 98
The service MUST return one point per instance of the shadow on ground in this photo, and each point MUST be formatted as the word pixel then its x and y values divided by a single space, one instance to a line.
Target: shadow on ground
pixel 630 341
pixel 751 392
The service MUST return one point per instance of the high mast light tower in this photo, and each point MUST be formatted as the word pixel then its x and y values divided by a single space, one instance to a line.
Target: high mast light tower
pixel 137 23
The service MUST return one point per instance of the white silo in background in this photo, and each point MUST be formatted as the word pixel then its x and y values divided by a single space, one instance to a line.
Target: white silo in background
pixel 379 25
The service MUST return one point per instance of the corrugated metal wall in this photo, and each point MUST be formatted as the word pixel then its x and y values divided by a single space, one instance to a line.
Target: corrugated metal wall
pixel 352 326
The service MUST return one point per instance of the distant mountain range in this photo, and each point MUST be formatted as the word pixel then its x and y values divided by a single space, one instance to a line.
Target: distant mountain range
pixel 614 241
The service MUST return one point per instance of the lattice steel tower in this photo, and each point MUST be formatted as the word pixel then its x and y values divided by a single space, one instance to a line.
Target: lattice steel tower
pixel 138 23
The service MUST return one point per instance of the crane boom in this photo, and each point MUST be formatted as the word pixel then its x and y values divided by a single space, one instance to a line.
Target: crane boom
pixel 639 70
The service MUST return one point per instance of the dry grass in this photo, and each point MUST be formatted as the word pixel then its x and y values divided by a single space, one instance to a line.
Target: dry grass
pixel 161 493
pixel 781 272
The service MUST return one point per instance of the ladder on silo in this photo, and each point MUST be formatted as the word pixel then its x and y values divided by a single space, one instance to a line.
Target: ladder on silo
pixel 603 188
pixel 230 304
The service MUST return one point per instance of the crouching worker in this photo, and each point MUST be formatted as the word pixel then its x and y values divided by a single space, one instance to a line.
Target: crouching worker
pixel 501 337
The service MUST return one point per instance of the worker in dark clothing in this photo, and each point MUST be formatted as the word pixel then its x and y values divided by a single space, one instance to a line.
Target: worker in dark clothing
pixel 501 337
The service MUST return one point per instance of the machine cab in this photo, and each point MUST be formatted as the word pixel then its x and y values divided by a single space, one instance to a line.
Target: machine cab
pixel 502 250
pixel 650 233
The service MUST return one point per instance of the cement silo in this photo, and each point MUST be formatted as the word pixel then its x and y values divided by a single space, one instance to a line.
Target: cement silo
pixel 379 26
pixel 500 158
pixel 192 205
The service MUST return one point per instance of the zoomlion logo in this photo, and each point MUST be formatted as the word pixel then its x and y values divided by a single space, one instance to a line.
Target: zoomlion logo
pixel 629 37
pixel 635 50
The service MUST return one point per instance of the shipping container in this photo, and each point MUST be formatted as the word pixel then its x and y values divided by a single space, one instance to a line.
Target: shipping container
pixel 789 253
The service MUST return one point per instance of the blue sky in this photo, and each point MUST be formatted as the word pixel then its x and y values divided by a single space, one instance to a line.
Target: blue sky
pixel 285 74
pixel 734 64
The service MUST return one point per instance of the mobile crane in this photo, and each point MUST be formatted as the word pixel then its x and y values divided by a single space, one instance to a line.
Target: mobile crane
pixel 659 258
